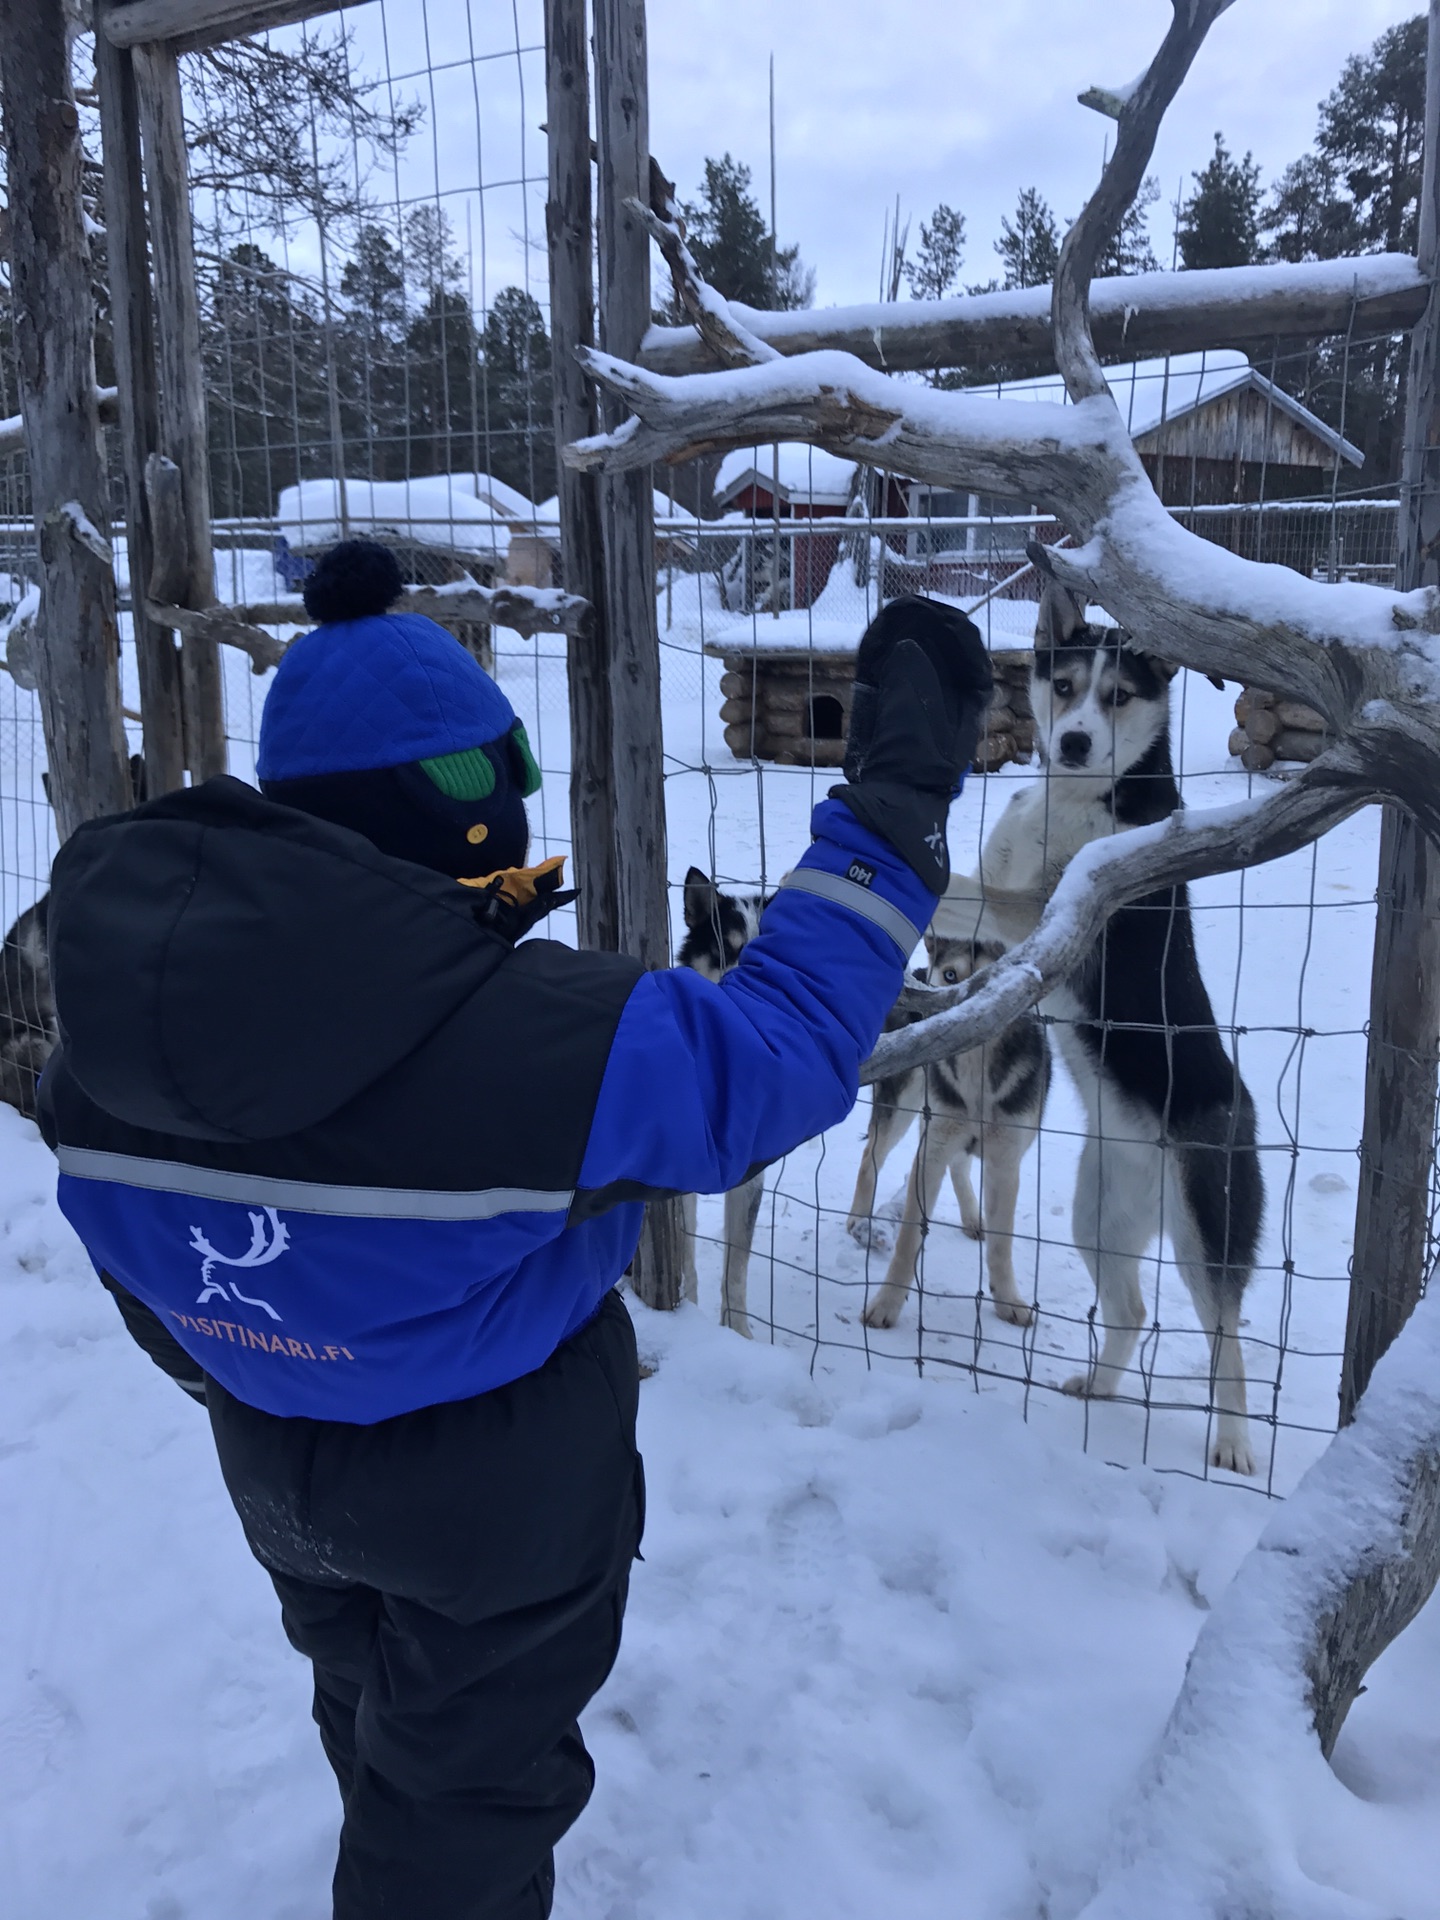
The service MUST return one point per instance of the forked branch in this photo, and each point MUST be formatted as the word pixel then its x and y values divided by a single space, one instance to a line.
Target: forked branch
pixel 1103 876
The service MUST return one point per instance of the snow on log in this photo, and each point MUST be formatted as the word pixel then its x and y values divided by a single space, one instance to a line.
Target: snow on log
pixel 1338 1573
pixel 1136 317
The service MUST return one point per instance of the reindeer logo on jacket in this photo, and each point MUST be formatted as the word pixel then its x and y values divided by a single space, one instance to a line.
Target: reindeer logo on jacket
pixel 269 1237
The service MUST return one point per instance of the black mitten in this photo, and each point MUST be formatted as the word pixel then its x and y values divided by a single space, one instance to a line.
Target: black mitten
pixel 922 685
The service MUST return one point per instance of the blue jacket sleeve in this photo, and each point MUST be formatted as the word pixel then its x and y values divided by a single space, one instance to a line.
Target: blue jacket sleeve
pixel 705 1082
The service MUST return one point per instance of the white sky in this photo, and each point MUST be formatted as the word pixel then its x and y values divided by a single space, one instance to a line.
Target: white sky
pixel 968 103
pixel 964 103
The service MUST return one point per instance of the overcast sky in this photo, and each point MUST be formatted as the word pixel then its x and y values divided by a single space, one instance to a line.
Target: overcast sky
pixel 968 103
pixel 964 103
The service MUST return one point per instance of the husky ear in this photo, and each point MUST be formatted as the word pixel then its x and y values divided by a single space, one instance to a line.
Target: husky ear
pixel 1061 614
pixel 1165 670
pixel 700 898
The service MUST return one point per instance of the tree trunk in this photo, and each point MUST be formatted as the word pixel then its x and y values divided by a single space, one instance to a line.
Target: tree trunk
pixel 1392 1217
pixel 183 436
pixel 572 325
pixel 157 657
pixel 78 656
pixel 628 531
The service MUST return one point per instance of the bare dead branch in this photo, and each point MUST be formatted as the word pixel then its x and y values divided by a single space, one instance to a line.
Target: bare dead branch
pixel 1106 875
pixel 1342 1568
pixel 1138 122
pixel 717 326
pixel 524 610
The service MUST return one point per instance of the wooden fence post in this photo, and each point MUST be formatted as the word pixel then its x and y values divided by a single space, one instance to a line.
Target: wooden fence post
pixel 132 328
pixel 1392 1214
pixel 627 509
pixel 78 659
pixel 183 435
pixel 572 325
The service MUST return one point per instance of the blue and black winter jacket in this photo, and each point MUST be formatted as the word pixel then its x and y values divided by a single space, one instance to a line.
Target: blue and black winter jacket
pixel 359 1153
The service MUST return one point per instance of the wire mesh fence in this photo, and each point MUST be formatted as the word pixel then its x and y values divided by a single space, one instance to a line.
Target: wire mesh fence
pixel 377 358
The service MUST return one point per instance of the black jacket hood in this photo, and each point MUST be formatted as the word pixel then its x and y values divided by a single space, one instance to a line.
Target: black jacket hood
pixel 229 969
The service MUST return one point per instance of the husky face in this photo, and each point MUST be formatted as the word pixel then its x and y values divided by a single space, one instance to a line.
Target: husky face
pixel 1099 702
pixel 718 925
pixel 951 962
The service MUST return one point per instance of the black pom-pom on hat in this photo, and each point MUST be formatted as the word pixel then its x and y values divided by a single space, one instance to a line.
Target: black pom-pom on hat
pixel 352 581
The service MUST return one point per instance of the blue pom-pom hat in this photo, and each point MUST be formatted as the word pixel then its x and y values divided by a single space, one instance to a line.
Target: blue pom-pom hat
pixel 384 723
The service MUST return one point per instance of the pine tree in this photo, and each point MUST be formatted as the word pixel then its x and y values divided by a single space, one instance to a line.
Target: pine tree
pixel 442 350
pixel 370 352
pixel 1308 217
pixel 1372 129
pixel 1130 251
pixel 1030 244
pixel 1220 222
pixel 936 266
pixel 518 394
pixel 264 352
pixel 728 236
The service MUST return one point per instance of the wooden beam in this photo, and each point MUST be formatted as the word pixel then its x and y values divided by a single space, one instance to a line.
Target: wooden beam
pixel 1392 1215
pixel 132 326
pixel 188 25
pixel 582 560
pixel 77 659
pixel 523 611
pixel 1134 318
pixel 183 435
pixel 627 512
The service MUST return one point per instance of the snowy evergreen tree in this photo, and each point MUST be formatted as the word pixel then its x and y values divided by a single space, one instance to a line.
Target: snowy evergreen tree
pixel 1307 217
pixel 1029 245
pixel 939 256
pixel 1220 222
pixel 1130 251
pixel 731 243
pixel 1372 130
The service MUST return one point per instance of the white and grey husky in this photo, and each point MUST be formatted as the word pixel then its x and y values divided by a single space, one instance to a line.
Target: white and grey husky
pixel 988 1102
pixel 1170 1143
pixel 718 926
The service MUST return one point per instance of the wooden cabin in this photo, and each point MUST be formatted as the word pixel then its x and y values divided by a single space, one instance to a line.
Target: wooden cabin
pixel 792 705
pixel 795 481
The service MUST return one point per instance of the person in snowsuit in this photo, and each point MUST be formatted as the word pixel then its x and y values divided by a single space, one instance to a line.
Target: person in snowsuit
pixel 363 1173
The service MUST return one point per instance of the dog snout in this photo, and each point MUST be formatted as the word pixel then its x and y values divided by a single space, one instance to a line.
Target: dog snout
pixel 1074 748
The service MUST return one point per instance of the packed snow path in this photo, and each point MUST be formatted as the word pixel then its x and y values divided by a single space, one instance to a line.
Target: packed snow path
pixel 891 1651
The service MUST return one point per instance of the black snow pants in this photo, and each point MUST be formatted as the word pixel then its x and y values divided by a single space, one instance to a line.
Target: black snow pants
pixel 457 1577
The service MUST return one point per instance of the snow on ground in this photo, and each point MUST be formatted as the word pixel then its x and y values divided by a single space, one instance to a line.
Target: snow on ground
pixel 904 1635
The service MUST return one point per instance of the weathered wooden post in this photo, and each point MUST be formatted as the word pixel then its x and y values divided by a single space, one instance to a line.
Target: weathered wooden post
pixel 572 325
pixel 627 509
pixel 190 578
pixel 78 656
pixel 1397 1148
pixel 132 327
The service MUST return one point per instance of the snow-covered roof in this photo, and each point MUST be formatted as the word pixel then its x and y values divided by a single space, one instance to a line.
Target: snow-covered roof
pixel 546 517
pixel 1150 393
pixel 807 474
pixel 444 509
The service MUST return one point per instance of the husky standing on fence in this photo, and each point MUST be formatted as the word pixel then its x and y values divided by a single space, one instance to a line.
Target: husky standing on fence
pixel 1170 1142
pixel 986 1102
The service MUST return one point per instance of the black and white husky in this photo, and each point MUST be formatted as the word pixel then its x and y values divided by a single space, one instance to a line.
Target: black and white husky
pixel 1170 1144
pixel 718 926
pixel 28 1029
pixel 988 1102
